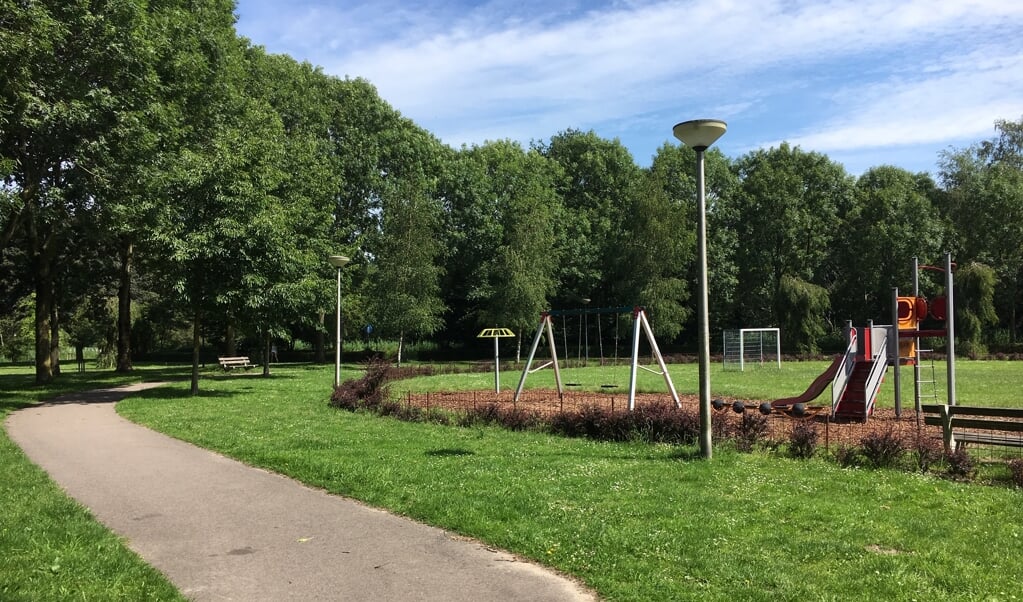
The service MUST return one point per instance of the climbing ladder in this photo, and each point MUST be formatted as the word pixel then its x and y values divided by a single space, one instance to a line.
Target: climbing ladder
pixel 926 389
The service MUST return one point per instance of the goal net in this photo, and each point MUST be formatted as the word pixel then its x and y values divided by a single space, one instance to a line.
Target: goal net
pixel 747 347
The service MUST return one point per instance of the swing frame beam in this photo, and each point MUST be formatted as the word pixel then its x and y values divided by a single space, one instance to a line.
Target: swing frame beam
pixel 640 323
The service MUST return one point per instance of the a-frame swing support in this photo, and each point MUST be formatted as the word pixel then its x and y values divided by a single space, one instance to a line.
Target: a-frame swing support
pixel 640 323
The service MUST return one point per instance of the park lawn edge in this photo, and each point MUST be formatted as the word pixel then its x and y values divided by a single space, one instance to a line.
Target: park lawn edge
pixel 304 443
pixel 53 547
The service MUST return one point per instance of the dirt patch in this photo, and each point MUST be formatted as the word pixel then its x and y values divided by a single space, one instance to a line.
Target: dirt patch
pixel 547 403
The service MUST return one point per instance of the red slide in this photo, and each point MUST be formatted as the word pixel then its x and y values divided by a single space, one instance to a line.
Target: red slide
pixel 816 387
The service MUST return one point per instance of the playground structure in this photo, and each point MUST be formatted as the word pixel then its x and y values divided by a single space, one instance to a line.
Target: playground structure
pixel 496 334
pixel 640 324
pixel 856 375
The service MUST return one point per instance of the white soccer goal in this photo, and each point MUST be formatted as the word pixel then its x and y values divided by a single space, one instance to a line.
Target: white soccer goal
pixel 751 346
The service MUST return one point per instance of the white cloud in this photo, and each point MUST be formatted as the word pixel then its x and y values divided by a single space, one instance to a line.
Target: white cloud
pixel 961 99
pixel 830 75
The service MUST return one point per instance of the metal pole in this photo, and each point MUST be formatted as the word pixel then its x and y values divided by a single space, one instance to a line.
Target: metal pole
pixel 950 361
pixel 635 361
pixel 706 443
pixel 497 368
pixel 337 342
pixel 544 321
pixel 898 351
pixel 660 359
pixel 916 341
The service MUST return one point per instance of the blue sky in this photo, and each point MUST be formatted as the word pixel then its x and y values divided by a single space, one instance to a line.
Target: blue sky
pixel 868 82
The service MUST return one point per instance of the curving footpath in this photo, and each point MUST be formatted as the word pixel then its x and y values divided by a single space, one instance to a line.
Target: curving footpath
pixel 222 530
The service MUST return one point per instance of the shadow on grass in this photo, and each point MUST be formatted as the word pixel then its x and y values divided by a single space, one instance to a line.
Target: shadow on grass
pixel 450 452
pixel 686 454
pixel 183 393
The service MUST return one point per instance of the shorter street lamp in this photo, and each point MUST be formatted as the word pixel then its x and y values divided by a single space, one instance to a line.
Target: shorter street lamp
pixel 338 261
pixel 699 134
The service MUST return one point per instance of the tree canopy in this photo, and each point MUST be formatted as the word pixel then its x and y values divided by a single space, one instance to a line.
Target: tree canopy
pixel 169 185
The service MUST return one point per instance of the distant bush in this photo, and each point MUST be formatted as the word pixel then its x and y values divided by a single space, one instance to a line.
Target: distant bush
pixel 655 423
pixel 846 455
pixel 664 423
pixel 803 441
pixel 483 415
pixel 928 451
pixel 368 391
pixel 519 419
pixel 752 428
pixel 1016 467
pixel 960 465
pixel 883 449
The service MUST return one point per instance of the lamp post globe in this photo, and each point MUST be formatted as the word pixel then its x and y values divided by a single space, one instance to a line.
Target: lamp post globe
pixel 700 134
pixel 338 261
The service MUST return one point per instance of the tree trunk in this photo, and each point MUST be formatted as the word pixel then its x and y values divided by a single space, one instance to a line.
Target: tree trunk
pixel 230 341
pixel 401 340
pixel 124 309
pixel 266 352
pixel 44 305
pixel 1012 316
pixel 55 336
pixel 41 250
pixel 319 340
pixel 196 340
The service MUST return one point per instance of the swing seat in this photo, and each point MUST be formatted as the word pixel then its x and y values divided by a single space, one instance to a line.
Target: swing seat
pixel 608 386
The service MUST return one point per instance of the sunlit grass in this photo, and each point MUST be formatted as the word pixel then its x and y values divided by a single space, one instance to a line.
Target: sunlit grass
pixel 987 383
pixel 635 521
pixel 50 546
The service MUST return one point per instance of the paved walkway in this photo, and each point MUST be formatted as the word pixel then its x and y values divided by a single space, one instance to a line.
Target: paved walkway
pixel 221 530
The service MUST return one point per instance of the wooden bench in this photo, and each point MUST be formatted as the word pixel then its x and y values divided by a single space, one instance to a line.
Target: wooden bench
pixel 229 363
pixel 962 425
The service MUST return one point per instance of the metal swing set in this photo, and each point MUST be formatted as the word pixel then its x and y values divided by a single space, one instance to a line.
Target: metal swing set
pixel 640 323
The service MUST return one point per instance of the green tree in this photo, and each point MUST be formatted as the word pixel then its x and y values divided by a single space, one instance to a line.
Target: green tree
pixel 983 201
pixel 293 232
pixel 16 330
pixel 221 183
pixel 786 218
pixel 974 305
pixel 890 222
pixel 599 177
pixel 674 168
pixel 503 213
pixel 404 280
pixel 70 69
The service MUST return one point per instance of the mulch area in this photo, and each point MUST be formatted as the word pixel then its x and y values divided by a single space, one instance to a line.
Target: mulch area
pixel 779 426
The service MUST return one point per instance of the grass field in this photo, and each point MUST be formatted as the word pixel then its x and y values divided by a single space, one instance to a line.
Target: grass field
pixel 50 546
pixel 987 383
pixel 634 521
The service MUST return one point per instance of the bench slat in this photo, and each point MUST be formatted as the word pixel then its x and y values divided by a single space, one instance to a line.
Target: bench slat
pixel 986 425
pixel 977 423
pixel 964 417
pixel 975 411
pixel 988 439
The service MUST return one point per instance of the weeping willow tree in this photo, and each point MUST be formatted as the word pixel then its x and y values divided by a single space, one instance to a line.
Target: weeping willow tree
pixel 975 306
pixel 802 308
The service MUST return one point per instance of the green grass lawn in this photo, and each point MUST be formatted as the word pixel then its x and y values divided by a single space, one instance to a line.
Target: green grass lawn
pixel 634 521
pixel 985 383
pixel 50 546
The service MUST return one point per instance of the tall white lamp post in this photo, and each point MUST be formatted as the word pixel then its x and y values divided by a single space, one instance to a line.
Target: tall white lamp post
pixel 338 261
pixel 699 134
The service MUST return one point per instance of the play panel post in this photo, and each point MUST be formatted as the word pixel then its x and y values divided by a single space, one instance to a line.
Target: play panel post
pixel 496 333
